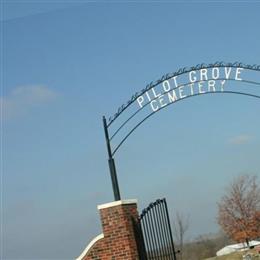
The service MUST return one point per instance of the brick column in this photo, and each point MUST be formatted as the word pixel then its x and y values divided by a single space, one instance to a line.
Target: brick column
pixel 118 240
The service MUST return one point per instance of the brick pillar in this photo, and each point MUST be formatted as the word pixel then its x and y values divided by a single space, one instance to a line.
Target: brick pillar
pixel 118 240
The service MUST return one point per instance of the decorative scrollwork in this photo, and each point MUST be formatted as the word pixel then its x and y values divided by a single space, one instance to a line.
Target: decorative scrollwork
pixel 181 71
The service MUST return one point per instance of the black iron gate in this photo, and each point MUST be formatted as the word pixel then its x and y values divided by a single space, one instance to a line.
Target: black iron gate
pixel 153 233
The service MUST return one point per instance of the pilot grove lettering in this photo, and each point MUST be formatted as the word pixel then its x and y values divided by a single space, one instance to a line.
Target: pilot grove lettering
pixel 199 82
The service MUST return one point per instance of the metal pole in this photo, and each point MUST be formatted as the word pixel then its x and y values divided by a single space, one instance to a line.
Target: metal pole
pixel 111 163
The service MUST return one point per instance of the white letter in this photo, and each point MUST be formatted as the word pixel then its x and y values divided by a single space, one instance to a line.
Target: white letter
pixel 191 88
pixel 204 73
pixel 211 85
pixel 200 86
pixel 227 72
pixel 154 93
pixel 148 96
pixel 238 71
pixel 222 84
pixel 190 76
pixel 181 92
pixel 215 73
pixel 175 81
pixel 154 108
pixel 166 85
pixel 161 101
pixel 172 97
pixel 140 100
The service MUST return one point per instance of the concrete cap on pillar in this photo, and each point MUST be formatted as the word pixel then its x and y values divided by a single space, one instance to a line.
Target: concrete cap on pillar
pixel 117 203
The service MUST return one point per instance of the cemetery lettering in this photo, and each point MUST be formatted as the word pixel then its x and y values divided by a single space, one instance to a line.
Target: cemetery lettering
pixel 197 82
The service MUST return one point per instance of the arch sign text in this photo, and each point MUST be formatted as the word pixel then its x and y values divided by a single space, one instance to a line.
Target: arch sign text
pixel 216 78
pixel 199 82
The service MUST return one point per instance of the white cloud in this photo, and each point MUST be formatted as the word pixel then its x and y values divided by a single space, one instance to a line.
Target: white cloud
pixel 240 139
pixel 24 98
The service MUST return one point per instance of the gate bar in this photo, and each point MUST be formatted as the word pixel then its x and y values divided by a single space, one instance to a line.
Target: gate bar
pixel 167 215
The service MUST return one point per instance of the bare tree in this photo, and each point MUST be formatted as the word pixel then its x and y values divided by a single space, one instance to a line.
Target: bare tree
pixel 180 227
pixel 239 209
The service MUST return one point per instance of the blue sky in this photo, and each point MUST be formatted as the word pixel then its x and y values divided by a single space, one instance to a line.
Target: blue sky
pixel 65 65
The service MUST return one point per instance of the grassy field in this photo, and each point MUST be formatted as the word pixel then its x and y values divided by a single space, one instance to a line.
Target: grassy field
pixel 237 256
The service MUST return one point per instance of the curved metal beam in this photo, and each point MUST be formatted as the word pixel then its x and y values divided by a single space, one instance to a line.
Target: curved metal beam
pixel 181 71
pixel 140 109
pixel 197 94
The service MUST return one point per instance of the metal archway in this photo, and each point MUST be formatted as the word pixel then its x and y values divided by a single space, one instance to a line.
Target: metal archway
pixel 212 77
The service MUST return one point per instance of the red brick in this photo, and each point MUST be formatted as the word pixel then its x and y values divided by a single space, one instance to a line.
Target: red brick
pixel 119 241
